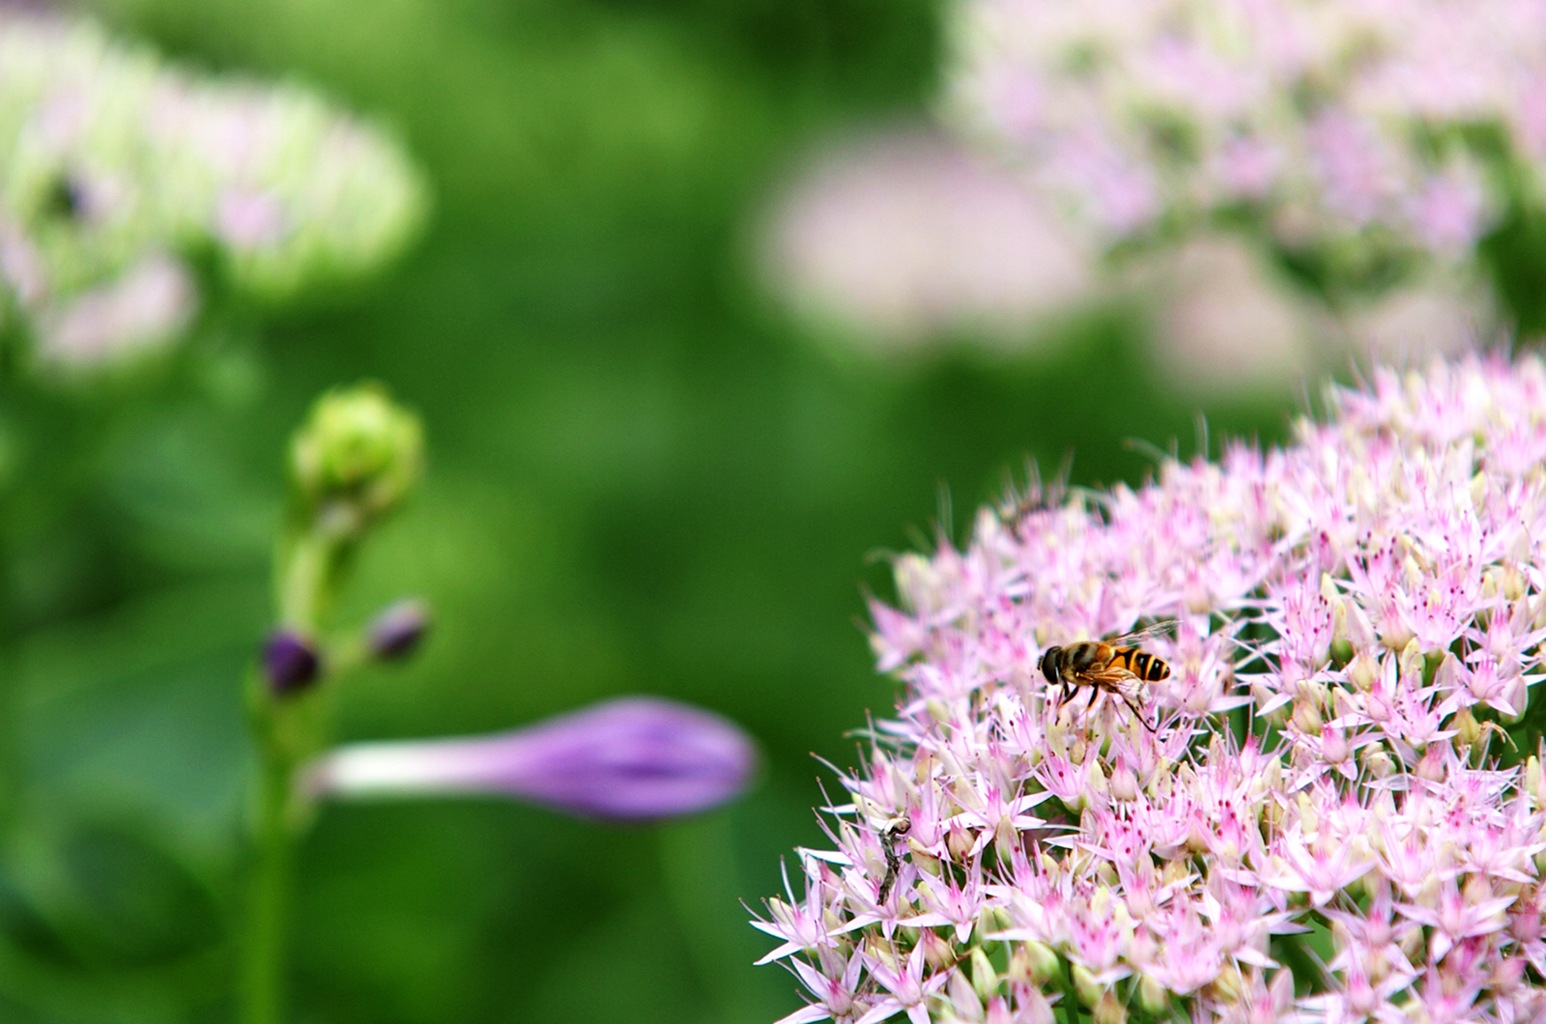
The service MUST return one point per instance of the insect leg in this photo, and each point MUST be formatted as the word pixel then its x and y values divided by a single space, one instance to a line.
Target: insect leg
pixel 1136 713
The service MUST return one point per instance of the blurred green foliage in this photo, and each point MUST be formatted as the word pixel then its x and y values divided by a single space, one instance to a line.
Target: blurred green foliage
pixel 641 480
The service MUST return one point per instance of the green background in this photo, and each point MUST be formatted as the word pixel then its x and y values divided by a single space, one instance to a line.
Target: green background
pixel 643 479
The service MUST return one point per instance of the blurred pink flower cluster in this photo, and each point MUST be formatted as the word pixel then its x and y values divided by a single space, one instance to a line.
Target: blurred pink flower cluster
pixel 1356 614
pixel 898 237
pixel 898 242
pixel 1339 119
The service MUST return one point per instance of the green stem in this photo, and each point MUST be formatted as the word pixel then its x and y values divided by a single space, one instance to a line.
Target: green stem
pixel 305 580
pixel 1069 1004
pixel 287 731
pixel 263 958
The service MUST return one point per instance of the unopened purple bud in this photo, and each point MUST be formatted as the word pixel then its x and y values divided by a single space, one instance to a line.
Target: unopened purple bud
pixel 630 759
pixel 290 662
pixel 397 631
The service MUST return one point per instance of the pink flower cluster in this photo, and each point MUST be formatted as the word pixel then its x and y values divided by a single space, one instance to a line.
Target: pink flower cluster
pixel 1338 119
pixel 1329 822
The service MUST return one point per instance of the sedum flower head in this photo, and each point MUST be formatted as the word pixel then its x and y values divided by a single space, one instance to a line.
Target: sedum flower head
pixel 1358 617
pixel 116 167
pixel 1370 125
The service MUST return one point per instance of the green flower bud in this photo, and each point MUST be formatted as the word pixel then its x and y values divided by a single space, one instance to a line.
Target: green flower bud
pixel 984 977
pixel 357 450
pixel 1152 995
pixel 1085 984
pixel 1108 1010
pixel 1033 963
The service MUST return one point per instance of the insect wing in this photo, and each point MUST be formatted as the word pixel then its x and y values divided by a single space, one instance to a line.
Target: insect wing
pixel 1162 628
pixel 1118 680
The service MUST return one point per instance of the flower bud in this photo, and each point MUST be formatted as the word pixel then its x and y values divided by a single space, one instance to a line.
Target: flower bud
pixel 1329 592
pixel 1446 673
pixel 1307 718
pixel 290 662
pixel 1360 631
pixel 965 1001
pixel 937 951
pixel 1363 671
pixel 1033 963
pixel 1152 995
pixel 1516 694
pixel 1428 894
pixel 1085 984
pixel 1094 777
pixel 1006 837
pixel 398 630
pixel 1309 821
pixel 984 977
pixel 1515 585
pixel 1228 986
pixel 922 859
pixel 1431 767
pixel 917 582
pixel 1334 747
pixel 1477 890
pixel 1124 784
pixel 1108 1010
pixel 629 759
pixel 1341 650
pixel 1057 739
pixel 959 841
pixel 357 448
pixel 1034 1008
pixel 883 951
pixel 1377 762
pixel 1467 729
pixel 1413 664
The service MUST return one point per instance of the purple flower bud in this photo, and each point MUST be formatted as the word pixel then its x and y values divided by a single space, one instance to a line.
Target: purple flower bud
pixel 397 631
pixel 629 759
pixel 290 662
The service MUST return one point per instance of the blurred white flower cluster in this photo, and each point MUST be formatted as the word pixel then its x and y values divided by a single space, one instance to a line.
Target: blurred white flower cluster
pixel 119 172
pixel 1374 126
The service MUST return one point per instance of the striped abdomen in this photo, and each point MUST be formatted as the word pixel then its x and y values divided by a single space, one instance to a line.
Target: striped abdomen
pixel 1140 663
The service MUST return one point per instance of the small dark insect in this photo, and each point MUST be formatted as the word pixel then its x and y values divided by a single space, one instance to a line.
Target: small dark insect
pixel 895 829
pixel 1019 502
pixel 64 200
pixel 1114 666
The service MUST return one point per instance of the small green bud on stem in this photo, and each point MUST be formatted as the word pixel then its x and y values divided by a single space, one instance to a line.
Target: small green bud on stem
pixel 358 455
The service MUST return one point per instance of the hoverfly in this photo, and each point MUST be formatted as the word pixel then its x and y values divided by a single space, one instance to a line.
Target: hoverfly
pixel 1114 666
